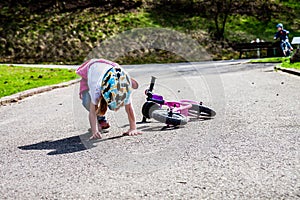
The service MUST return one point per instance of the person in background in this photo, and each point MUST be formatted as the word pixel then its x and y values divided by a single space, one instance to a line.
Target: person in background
pixel 283 35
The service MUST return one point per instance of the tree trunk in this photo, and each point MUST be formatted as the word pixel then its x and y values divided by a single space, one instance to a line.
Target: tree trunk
pixel 226 13
pixel 217 34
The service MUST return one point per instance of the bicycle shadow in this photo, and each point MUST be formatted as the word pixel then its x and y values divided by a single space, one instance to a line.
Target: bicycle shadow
pixel 163 127
pixel 153 128
pixel 200 119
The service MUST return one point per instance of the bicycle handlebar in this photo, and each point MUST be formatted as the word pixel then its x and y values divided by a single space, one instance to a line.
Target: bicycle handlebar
pixel 154 97
pixel 152 83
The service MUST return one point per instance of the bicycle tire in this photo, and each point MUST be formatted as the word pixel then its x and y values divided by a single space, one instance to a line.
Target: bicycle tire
pixel 148 108
pixel 163 116
pixel 200 109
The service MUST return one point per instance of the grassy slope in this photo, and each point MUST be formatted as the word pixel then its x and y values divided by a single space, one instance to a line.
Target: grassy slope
pixel 16 79
pixel 247 28
pixel 89 27
pixel 74 33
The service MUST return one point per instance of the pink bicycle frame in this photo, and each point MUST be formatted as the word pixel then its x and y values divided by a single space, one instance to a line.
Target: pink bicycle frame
pixel 181 106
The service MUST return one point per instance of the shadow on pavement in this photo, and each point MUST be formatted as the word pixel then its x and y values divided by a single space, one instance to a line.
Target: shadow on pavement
pixel 200 119
pixel 67 145
pixel 62 146
pixel 81 142
pixel 147 128
pixel 162 127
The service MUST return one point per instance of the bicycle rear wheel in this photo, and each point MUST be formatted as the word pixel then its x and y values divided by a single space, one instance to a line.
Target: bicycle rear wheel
pixel 203 110
pixel 175 119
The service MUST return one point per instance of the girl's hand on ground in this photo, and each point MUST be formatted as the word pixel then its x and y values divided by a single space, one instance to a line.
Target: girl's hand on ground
pixel 96 135
pixel 133 132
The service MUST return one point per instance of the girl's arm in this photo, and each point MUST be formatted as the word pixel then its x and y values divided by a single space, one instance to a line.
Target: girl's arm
pixel 94 122
pixel 132 122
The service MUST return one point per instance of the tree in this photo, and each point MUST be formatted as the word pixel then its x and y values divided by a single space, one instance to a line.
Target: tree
pixel 218 11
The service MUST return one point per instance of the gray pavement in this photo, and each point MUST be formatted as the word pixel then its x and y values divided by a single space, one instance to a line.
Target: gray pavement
pixel 249 151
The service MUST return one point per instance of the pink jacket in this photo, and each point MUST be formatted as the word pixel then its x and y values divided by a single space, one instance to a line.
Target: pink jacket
pixel 83 72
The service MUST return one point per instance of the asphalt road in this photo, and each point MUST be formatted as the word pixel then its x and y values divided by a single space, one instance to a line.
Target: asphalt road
pixel 249 151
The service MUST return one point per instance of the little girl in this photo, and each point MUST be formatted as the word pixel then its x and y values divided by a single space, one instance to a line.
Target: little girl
pixel 105 84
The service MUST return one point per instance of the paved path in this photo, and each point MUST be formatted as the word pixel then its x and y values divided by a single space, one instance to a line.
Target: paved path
pixel 249 151
pixel 216 63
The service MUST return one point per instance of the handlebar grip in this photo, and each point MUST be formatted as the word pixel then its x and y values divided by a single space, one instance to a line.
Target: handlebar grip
pixel 152 83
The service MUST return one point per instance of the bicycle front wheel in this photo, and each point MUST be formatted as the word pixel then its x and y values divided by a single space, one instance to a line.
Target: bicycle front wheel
pixel 202 110
pixel 148 108
pixel 175 119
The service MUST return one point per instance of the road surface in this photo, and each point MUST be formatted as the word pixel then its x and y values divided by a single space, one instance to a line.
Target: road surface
pixel 250 150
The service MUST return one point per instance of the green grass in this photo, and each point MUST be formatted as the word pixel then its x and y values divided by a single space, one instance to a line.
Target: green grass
pixel 290 65
pixel 270 60
pixel 15 79
pixel 285 62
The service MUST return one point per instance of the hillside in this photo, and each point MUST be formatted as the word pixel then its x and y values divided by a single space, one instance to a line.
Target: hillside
pixel 36 32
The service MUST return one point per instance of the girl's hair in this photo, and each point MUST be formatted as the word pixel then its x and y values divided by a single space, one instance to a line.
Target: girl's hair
pixel 102 107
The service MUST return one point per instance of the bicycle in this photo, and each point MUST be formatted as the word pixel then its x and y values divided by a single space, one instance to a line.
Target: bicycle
pixel 177 112
pixel 285 49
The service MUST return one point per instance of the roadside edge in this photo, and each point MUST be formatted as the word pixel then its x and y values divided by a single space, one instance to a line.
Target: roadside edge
pixel 27 93
pixel 288 70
